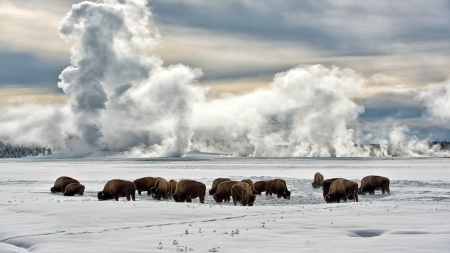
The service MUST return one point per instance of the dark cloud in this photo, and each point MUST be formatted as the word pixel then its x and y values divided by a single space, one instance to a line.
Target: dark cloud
pixel 19 69
pixel 349 29
pixel 399 106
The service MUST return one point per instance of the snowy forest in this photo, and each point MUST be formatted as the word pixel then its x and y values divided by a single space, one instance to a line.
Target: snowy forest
pixel 8 150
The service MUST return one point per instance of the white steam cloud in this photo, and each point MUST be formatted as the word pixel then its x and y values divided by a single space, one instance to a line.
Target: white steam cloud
pixel 122 99
pixel 436 98
pixel 304 113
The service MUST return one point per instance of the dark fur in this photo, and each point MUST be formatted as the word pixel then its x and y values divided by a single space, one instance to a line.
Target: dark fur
pixel 145 184
pixel 223 192
pixel 370 184
pixel 61 183
pixel 318 179
pixel 173 187
pixel 326 186
pixel 340 190
pixel 116 188
pixel 74 188
pixel 278 187
pixel 250 182
pixel 189 189
pixel 242 193
pixel 216 183
pixel 260 186
pixel 161 189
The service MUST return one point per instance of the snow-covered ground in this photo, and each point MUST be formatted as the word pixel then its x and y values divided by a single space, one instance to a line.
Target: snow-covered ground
pixel 414 218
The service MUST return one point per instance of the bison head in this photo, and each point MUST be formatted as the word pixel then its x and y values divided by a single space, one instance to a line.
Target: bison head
pixel 315 185
pixel 252 200
pixel 178 198
pixel 330 198
pixel 360 190
pixel 53 190
pixel 101 196
pixel 287 194
pixel 211 192
pixel 217 198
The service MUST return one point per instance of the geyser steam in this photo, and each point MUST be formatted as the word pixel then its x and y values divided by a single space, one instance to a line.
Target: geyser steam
pixel 116 93
pixel 123 99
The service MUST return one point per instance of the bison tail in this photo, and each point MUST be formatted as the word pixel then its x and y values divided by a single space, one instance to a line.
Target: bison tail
pixel 233 194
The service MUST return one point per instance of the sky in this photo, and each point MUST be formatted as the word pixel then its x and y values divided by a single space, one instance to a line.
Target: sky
pixel 398 47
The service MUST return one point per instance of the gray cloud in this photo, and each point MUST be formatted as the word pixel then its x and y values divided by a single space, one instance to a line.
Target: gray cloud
pixel 19 69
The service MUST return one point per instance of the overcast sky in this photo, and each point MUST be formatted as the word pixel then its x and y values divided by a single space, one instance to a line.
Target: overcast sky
pixel 401 46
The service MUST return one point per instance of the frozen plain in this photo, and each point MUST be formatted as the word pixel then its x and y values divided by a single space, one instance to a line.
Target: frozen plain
pixel 414 218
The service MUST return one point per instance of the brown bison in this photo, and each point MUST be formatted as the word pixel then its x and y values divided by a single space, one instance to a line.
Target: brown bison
pixel 223 192
pixel 260 186
pixel 278 187
pixel 116 188
pixel 173 186
pixel 242 193
pixel 61 183
pixel 326 185
pixel 216 183
pixel 370 184
pixel 145 184
pixel 250 182
pixel 341 189
pixel 189 189
pixel 74 188
pixel 160 190
pixel 318 179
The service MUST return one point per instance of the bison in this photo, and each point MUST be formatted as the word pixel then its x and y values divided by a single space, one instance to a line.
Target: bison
pixel 116 188
pixel 61 183
pixel 341 189
pixel 223 192
pixel 242 193
pixel 260 186
pixel 278 187
pixel 160 190
pixel 250 182
pixel 318 179
pixel 326 185
pixel 371 183
pixel 173 186
pixel 74 188
pixel 145 184
pixel 189 189
pixel 215 183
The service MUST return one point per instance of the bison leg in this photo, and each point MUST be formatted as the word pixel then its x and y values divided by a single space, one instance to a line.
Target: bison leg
pixel 202 199
pixel 371 192
pixel 116 197
pixel 139 192
pixel 128 197
pixel 188 200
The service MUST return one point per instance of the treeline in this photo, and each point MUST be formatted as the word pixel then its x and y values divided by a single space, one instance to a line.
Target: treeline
pixel 444 144
pixel 8 150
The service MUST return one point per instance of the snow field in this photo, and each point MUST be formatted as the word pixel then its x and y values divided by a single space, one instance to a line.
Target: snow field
pixel 413 218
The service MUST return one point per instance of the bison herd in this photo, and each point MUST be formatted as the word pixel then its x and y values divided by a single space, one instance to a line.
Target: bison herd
pixel 337 189
pixel 223 189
